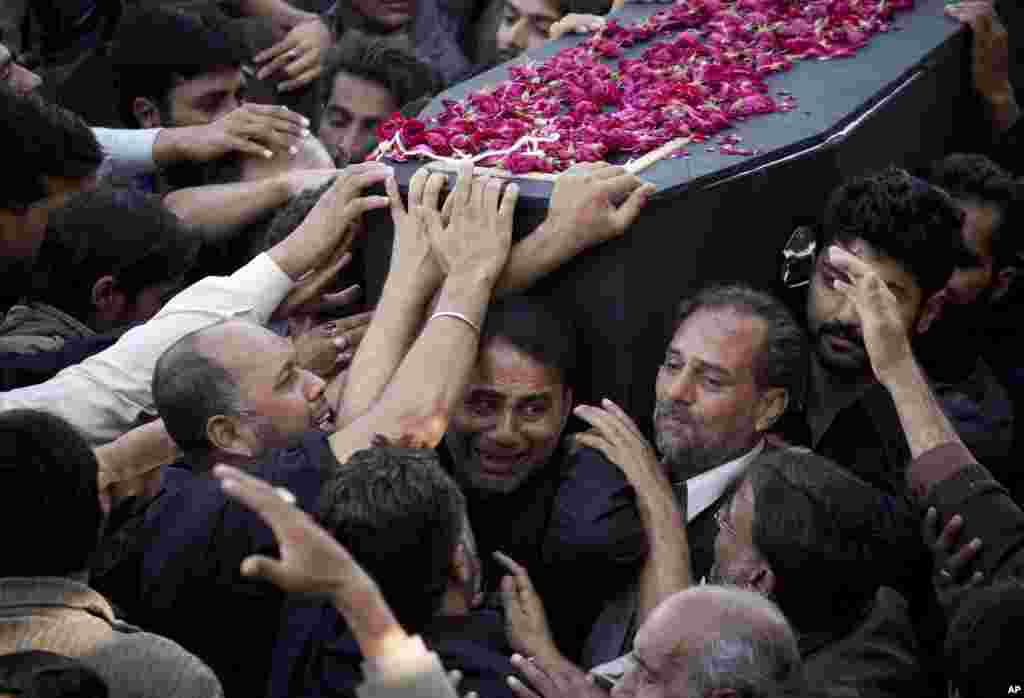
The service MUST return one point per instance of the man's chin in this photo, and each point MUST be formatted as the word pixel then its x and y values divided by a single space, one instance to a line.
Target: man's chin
pixel 847 363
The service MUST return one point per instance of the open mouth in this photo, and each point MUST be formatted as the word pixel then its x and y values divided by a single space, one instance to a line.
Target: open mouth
pixel 498 464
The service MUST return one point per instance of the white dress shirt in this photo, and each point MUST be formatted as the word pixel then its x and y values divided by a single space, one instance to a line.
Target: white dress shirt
pixel 111 392
pixel 703 490
pixel 128 152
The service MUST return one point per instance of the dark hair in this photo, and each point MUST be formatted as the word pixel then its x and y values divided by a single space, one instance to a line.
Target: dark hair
pixel 47 470
pixel 903 218
pixel 980 659
pixel 124 233
pixel 44 674
pixel 534 328
pixel 401 516
pixel 39 139
pixel 976 179
pixel 40 674
pixel 380 59
pixel 288 218
pixel 189 389
pixel 157 46
pixel 783 361
pixel 818 527
pixel 587 7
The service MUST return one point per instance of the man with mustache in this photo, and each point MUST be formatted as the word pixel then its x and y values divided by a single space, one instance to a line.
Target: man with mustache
pixel 736 360
pixel 909 231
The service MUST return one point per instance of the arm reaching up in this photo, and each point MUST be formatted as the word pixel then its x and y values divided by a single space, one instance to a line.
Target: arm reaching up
pixel 590 204
pixel 473 247
pixel 413 278
pixel 667 569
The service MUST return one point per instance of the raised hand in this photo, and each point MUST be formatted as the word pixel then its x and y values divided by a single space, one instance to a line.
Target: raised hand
pixel 595 202
pixel 411 250
pixel 576 23
pixel 546 680
pixel 313 563
pixel 299 56
pixel 526 623
pixel 479 235
pixel 253 129
pixel 326 233
pixel 327 349
pixel 618 437
pixel 884 328
pixel 951 578
pixel 991 66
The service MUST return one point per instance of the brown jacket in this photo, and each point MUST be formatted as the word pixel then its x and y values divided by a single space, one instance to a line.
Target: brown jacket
pixel 67 617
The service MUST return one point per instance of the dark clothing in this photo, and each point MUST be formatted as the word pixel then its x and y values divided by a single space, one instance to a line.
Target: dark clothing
pixel 316 655
pixel 612 633
pixel 18 370
pixel 575 527
pixel 951 480
pixel 181 576
pixel 866 438
pixel 876 658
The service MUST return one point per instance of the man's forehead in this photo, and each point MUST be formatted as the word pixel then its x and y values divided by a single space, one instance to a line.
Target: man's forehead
pixel 502 368
pixel 721 336
pixel 888 269
pixel 239 344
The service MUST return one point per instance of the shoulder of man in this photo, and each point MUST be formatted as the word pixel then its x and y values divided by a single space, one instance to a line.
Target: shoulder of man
pixel 138 663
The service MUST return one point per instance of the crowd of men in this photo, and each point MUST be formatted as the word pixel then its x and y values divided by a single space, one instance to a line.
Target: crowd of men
pixel 233 483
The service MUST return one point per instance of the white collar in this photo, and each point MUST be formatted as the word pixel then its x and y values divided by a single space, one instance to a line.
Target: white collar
pixel 704 490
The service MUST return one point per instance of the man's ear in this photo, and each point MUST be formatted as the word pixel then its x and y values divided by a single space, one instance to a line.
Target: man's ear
pixel 146 113
pixel 771 405
pixel 762 579
pixel 566 407
pixel 461 568
pixel 227 434
pixel 107 299
pixel 1005 279
pixel 931 312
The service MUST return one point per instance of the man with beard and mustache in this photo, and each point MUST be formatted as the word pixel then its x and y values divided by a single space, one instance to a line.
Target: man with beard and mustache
pixel 966 348
pixel 735 361
pixel 909 231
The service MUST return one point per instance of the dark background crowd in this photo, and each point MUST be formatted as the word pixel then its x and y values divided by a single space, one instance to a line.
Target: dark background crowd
pixel 224 472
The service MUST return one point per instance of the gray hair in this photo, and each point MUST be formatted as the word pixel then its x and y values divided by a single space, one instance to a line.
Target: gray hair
pixel 189 388
pixel 783 362
pixel 757 659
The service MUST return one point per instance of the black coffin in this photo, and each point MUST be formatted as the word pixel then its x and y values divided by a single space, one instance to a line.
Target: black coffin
pixel 721 217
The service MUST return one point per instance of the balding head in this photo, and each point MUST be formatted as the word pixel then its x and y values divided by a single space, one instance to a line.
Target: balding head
pixel 235 387
pixel 717 641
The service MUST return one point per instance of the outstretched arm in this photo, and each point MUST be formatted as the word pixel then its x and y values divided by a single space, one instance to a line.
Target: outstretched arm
pixel 412 280
pixel 667 568
pixel 474 248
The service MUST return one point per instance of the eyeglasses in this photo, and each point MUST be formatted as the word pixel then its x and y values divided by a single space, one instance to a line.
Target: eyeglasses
pixel 723 523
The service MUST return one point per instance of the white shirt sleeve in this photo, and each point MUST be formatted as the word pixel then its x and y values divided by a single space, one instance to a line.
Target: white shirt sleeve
pixel 409 671
pixel 111 392
pixel 128 151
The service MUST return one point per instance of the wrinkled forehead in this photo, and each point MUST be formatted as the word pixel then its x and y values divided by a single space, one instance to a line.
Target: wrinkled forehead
pixel 502 368
pixel 895 275
pixel 244 349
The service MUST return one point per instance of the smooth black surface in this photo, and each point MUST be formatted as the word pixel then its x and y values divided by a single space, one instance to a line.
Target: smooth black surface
pixel 830 94
pixel 725 218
